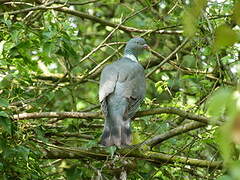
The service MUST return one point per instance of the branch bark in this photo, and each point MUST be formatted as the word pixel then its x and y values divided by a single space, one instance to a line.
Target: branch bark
pixel 35 115
pixel 107 23
pixel 173 132
pixel 98 115
pixel 92 18
pixel 173 110
pixel 150 156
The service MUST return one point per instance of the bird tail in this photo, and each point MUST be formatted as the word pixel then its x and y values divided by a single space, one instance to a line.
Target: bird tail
pixel 116 132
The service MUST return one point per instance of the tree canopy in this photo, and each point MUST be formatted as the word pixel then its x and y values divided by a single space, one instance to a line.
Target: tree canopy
pixel 51 56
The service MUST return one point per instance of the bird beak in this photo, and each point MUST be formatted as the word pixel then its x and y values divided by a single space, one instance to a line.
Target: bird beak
pixel 145 46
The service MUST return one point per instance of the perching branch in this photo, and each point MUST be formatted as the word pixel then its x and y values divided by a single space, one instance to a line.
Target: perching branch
pixel 98 115
pixel 62 115
pixel 57 152
pixel 173 110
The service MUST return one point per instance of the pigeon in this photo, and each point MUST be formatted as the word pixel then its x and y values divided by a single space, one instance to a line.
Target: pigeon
pixel 122 89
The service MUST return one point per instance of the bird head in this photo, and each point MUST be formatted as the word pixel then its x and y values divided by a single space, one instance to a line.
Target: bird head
pixel 135 46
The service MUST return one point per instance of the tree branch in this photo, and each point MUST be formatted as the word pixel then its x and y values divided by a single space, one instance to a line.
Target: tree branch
pixel 92 18
pixel 98 115
pixel 41 7
pixel 107 23
pixel 173 132
pixel 173 110
pixel 84 136
pixel 35 115
pixel 167 58
pixel 58 152
pixel 76 3
pixel 187 70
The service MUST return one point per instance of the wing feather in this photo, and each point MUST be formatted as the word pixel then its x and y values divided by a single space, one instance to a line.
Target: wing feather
pixel 108 80
pixel 127 79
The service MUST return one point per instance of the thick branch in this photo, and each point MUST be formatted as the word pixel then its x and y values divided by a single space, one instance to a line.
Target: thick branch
pixel 173 132
pixel 98 115
pixel 172 110
pixel 107 23
pixel 35 115
pixel 154 157
pixel 92 18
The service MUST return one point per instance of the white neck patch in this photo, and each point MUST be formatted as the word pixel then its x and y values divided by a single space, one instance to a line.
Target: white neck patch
pixel 132 57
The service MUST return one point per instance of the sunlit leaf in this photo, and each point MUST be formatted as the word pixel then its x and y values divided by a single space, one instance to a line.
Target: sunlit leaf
pixel 191 15
pixel 225 177
pixel 189 24
pixel 1 47
pixel 4 102
pixel 224 37
pixel 236 12
pixel 218 102
pixel 3 114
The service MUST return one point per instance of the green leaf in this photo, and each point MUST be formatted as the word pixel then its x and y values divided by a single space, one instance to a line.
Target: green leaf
pixel 73 173
pixel 69 51
pixel 3 144
pixel 1 47
pixel 6 82
pixel 3 114
pixel 111 150
pixel 225 36
pixel 235 169
pixel 191 15
pixel 1 166
pixel 148 3
pixel 48 49
pixel 6 124
pixel 236 12
pixel 189 24
pixel 23 152
pixel 218 102
pixel 159 89
pixel 225 177
pixel 188 61
pixel 4 102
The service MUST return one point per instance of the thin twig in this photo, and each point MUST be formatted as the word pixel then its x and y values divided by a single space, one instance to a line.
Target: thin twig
pixel 76 3
pixel 167 58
